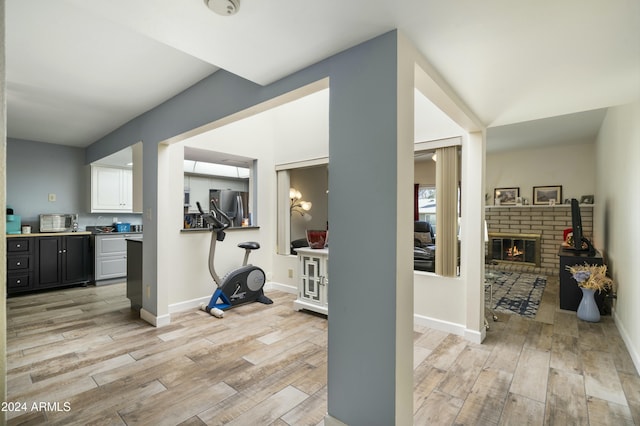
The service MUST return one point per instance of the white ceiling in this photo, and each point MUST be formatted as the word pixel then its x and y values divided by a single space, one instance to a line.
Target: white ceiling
pixel 78 69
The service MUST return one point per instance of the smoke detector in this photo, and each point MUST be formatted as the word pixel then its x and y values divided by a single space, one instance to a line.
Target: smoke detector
pixel 223 7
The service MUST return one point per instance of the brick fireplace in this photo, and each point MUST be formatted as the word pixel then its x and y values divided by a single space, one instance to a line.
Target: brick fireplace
pixel 548 222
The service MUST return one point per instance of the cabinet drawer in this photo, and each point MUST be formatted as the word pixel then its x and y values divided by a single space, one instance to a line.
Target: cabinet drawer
pixel 19 281
pixel 111 267
pixel 110 245
pixel 17 244
pixel 19 262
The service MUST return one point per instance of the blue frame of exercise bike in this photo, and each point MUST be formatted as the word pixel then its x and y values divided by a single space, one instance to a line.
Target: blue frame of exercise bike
pixel 218 294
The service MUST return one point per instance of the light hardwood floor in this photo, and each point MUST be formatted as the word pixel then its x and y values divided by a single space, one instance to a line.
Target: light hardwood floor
pixel 85 353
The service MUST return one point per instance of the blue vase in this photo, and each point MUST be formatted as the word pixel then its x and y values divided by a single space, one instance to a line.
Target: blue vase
pixel 588 309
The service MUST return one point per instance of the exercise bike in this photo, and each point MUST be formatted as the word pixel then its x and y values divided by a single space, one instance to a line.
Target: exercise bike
pixel 240 285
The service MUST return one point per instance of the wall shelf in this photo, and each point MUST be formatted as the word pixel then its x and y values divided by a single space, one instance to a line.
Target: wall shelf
pixel 535 206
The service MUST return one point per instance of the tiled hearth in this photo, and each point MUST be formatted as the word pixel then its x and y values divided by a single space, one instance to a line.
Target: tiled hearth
pixel 547 221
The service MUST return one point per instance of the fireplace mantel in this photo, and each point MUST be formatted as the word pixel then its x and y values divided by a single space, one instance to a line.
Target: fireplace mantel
pixel 536 206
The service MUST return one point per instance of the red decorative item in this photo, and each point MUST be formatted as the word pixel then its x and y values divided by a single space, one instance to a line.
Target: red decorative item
pixel 565 233
pixel 317 239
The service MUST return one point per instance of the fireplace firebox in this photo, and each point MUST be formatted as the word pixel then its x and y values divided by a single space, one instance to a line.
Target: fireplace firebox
pixel 515 248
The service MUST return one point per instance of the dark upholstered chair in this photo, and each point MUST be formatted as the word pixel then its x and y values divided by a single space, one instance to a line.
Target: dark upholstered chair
pixel 422 234
pixel 424 250
pixel 301 242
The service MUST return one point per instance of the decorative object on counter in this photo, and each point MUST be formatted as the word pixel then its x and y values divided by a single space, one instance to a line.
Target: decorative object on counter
pixel 546 195
pixel 14 222
pixel 122 227
pixel 505 196
pixel 586 199
pixel 317 239
pixel 299 205
pixel 590 278
pixel 26 229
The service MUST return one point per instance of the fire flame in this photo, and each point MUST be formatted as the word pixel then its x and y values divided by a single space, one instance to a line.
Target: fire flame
pixel 513 252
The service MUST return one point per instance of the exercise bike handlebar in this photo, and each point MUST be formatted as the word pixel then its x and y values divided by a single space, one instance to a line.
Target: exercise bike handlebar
pixel 212 219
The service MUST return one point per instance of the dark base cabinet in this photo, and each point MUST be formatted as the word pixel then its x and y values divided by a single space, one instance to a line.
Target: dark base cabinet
pixel 570 293
pixel 53 261
pixel 20 264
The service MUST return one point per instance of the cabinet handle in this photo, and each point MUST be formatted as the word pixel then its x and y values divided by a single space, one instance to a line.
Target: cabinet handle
pixel 18 263
pixel 19 245
pixel 18 281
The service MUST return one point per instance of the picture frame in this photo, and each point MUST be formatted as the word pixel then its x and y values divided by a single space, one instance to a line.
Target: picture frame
pixel 586 199
pixel 547 195
pixel 506 196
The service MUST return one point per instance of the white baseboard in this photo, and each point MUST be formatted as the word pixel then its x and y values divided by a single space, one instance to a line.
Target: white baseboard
pixel 195 303
pixel 188 305
pixel 635 357
pixel 437 324
pixel 154 320
pixel 450 327
pixel 281 287
pixel 475 336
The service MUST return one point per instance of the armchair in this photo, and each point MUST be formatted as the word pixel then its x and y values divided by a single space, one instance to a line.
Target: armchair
pixel 424 249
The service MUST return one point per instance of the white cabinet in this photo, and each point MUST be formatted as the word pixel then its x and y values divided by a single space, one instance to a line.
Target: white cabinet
pixel 111 189
pixel 111 256
pixel 314 280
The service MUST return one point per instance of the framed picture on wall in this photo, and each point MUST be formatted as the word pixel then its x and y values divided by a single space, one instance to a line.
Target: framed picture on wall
pixel 505 196
pixel 547 195
pixel 586 199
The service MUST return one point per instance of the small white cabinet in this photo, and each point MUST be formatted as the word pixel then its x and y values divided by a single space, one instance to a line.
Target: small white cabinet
pixel 111 189
pixel 314 280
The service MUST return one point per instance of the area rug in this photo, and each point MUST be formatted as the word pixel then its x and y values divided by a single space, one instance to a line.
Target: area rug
pixel 516 293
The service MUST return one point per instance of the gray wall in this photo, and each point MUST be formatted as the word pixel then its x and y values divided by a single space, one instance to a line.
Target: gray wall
pixel 363 153
pixel 36 169
pixel 363 133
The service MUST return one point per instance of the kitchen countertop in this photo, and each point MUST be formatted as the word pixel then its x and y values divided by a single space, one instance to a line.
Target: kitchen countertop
pixel 48 234
pixel 235 228
pixel 115 233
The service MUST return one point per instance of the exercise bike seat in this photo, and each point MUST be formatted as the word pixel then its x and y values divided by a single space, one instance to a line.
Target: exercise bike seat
pixel 249 245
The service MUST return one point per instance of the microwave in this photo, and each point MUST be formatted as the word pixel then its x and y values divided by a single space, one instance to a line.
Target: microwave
pixel 58 222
